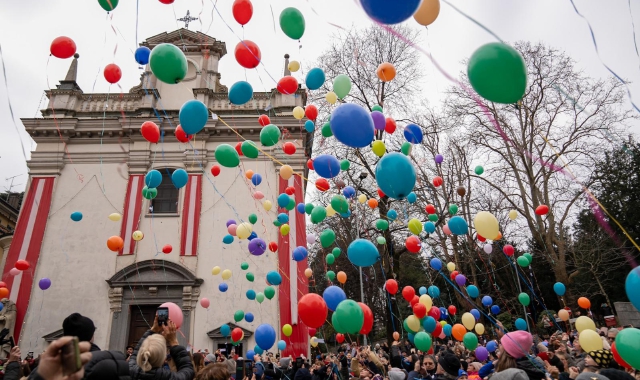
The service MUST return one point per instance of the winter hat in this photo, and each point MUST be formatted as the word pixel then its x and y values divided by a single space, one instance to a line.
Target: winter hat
pixel 397 374
pixel 77 325
pixel 476 366
pixel 284 362
pixel 510 374
pixel 615 374
pixel 517 343
pixel 461 373
pixel 210 358
pixel 543 356
pixel 591 376
pixel 450 364
pixel 601 357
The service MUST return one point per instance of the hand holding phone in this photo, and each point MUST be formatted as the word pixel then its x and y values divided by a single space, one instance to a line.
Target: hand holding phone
pixel 51 361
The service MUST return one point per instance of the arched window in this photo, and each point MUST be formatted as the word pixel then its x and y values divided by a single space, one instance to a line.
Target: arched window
pixel 166 202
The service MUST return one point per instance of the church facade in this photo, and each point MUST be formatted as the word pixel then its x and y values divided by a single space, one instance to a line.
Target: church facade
pixel 91 158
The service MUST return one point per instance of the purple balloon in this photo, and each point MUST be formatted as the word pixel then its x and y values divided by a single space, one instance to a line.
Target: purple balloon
pixel 481 353
pixel 230 222
pixel 439 158
pixel 44 283
pixel 379 121
pixel 257 246
pixel 461 280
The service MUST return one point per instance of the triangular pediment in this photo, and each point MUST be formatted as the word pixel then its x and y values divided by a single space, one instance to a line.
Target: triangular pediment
pixel 53 336
pixel 154 272
pixel 215 333
pixel 188 40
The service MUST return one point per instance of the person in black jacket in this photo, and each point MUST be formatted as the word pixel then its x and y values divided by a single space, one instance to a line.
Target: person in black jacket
pixel 80 326
pixel 12 366
pixel 107 365
pixel 148 357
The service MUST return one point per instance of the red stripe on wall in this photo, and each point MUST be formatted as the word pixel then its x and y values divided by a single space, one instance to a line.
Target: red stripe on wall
pixel 191 216
pixel 132 198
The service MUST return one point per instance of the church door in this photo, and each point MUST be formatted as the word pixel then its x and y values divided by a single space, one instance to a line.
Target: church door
pixel 141 320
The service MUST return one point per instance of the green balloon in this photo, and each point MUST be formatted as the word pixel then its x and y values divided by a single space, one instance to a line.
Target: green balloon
pixel 269 292
pixel 292 23
pixel 470 341
pixel 342 85
pixel 422 341
pixel 168 63
pixel 269 135
pixel 479 170
pixel 433 217
pixel 326 130
pixel 331 275
pixel 336 324
pixel 327 237
pixel 529 257
pixel 308 208
pixel 345 165
pixel 340 204
pixel 108 5
pixel 406 148
pixel 244 265
pixel 318 214
pixel 336 252
pixel 382 224
pixel 524 299
pixel 260 297
pixel 227 156
pixel 381 240
pixel 350 316
pixel 628 346
pixel 377 107
pixel 277 223
pixel 148 193
pixel 253 218
pixel 291 205
pixel 453 209
pixel 498 73
pixel 249 149
pixel 250 276
pixel 238 315
pixel 330 259
pixel 523 261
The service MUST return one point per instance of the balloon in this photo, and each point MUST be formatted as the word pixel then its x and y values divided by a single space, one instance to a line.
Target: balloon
pixel 175 313
pixel 242 11
pixel 585 323
pixel 237 334
pixel 265 336
pixel 473 291
pixel 112 73
pixel 542 210
pixel 341 87
pixel 331 97
pixel 419 310
pixel 413 134
pixel 468 321
pixel 227 156
pixel 488 248
pixel 248 317
pixel 331 275
pixel 513 214
pixel 115 217
pixel 415 226
pixel 153 178
pixel 318 215
pixel 453 209
pixel 563 314
pixel 238 315
pixel 44 283
pixel 452 310
pixel 498 73
pixel 422 341
pixel 475 313
pixel 150 131
pixel 243 230
pixel 458 331
pixel 429 324
pixel 632 284
pixel 226 274
pixel 386 72
pixel 617 357
pixel 63 47
pixel 312 310
pixel 470 341
pixel 137 235
pixel 108 5
pixel 352 125
pixel 390 11
pixel 363 253
pixel 288 85
pixel 584 302
pixel 628 345
pixel 524 299
pixel 408 293
pixel 315 78
pixel 426 301
pixel 240 93
pixel 76 216
pixel 458 225
pixel 251 294
pixel 311 112
pixel 287 330
pixel 179 178
pixel 292 23
pixel 257 246
pixel 523 262
pixel 260 297
pixel 225 330
pixel 115 243
pixel 427 13
pixel 434 292
pixel 479 328
pixel 378 148
pixel 436 264
pixel 391 286
pixel 429 227
pixel 270 135
pixel 412 324
pixel 168 63
pixel 326 166
pixel 298 113
pixel 422 290
pixel 590 341
pixel 167 248
pixel 508 250
pixel 395 175
pixel 486 225
pixel 367 325
pixel 341 276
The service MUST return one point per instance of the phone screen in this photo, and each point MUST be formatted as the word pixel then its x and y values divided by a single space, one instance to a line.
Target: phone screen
pixel 70 357
pixel 163 315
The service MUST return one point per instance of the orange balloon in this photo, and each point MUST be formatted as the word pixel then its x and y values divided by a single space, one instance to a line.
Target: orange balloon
pixel 115 243
pixel 428 12
pixel 563 314
pixel 342 277
pixel 396 336
pixel 386 72
pixel 4 293
pixel 308 272
pixel 373 203
pixel 249 173
pixel 498 237
pixel 458 331
pixel 584 302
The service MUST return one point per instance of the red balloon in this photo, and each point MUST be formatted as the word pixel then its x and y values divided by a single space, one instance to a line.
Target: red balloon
pixel 310 164
pixel 431 209
pixel 437 331
pixel 215 170
pixel 112 73
pixel 437 181
pixel 542 210
pixel 181 135
pixel 242 11
pixel 617 356
pixel 414 300
pixel 289 148
pixel 3 284
pixel 391 286
pixel 480 238
pixel 290 190
pixel 413 244
pixel 312 310
pixel 167 249
pixel 311 112
pixel 508 250
pixel 408 292
pixel 435 313
pixel 452 310
pixel 273 246
pixel 22 265
pixel 454 274
pixel 236 334
pixel 340 338
pixel 390 125
pixel 380 194
pixel 419 310
pixel 166 1
pixel 322 185
pixel 150 131
pixel 288 85
pixel 368 319
pixel 264 120
pixel 63 47
pixel 248 54
pixel 239 148
pixel 312 331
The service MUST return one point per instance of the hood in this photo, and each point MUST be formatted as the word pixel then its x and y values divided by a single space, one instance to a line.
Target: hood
pixel 532 370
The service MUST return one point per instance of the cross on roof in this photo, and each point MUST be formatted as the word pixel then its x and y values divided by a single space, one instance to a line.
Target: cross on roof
pixel 187 19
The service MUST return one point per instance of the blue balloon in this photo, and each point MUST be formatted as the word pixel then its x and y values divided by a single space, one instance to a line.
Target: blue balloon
pixel 223 287
pixel 179 178
pixel 495 309
pixel 251 294
pixel 346 214
pixel 430 227
pixel 413 134
pixel 142 55
pixel 390 11
pixel 444 314
pixel 193 116
pixel 429 324
pixel 447 330
pixel 76 216
pixel 473 291
pixel 153 179
pixel 274 278
pixel 349 192
pixel 560 289
pixel 521 324
pixel 395 175
pixel 326 166
pixel 282 345
pixel 240 93
pixel 225 330
pixel 256 179
pixel 300 208
pixel 412 198
pixel 411 337
pixel 632 284
pixel 422 290
pixel 352 125
pixel 252 236
pixel 300 253
pixel 265 336
pixel 309 126
pixel 363 253
pixel 434 291
pixel 315 78
pixel 333 295
pixel 250 354
pixel 283 218
pixel 458 225
pixel 227 239
pixel 475 313
pixel 436 264
pixel 258 350
pixel 392 215
pixel 283 200
pixel 248 317
pixel 487 301
pixel 492 346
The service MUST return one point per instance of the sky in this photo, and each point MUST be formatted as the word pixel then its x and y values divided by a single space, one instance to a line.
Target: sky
pixel 27 28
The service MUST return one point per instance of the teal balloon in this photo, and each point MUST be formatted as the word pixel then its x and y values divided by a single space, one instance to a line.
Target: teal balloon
pixel 315 78
pixel 225 330
pixel 560 289
pixel 429 324
pixel 168 63
pixel 227 156
pixel 283 200
pixel 392 215
pixel 251 294
pixel 363 253
pixel 430 227
pixel 521 324
pixel 350 315
pixel 309 126
pixel 342 86
pixel 473 291
pixel 498 73
pixel 292 23
pixel 458 225
pixel 412 198
pixel 240 93
pixel 632 284
pixel 227 239
pixel 153 179
pixel 76 216
pixel 395 175
pixel 193 116
pixel 179 177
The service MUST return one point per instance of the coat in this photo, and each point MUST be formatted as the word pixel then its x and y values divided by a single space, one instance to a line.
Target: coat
pixel 180 357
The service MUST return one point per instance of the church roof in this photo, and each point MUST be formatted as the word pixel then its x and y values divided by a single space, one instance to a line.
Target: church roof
pixel 189 41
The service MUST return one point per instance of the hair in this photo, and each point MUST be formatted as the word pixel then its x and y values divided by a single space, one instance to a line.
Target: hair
pixel 198 362
pixel 152 353
pixel 213 371
pixel 505 361
pixel 231 365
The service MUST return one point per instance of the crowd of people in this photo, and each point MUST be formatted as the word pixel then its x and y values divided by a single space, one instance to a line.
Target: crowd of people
pixel 516 355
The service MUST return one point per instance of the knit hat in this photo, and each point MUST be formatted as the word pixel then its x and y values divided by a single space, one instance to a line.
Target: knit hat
pixel 450 364
pixel 517 343
pixel 397 374
pixel 615 374
pixel 510 374
pixel 601 357
pixel 77 325
pixel 476 366
pixel 591 376
pixel 210 358
pixel 461 373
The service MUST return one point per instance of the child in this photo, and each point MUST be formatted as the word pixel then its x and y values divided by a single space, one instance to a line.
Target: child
pixel 462 375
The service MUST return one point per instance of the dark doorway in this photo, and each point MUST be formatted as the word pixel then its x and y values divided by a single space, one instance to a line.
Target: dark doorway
pixel 140 321
pixel 226 349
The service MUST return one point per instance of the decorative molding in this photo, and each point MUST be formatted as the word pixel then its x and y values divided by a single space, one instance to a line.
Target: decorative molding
pixel 115 299
pixel 190 295
pixel 145 273
pixel 53 336
pixel 153 291
pixel 215 333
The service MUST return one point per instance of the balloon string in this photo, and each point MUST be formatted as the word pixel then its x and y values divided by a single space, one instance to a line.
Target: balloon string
pixel 13 118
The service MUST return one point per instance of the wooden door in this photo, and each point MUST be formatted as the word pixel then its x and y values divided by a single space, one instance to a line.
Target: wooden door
pixel 141 320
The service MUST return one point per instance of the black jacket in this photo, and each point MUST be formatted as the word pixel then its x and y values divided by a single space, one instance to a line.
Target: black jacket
pixel 180 357
pixel 533 372
pixel 107 365
pixel 302 374
pixel 12 371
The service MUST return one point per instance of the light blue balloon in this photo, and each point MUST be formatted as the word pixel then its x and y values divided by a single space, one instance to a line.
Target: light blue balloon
pixel 413 134
pixel 227 239
pixel 240 93
pixel 392 215
pixel 251 294
pixel 390 11
pixel 265 336
pixel 76 216
pixel 225 330
pixel 436 264
pixel 430 227
pixel 223 287
pixel 250 355
pixel 363 253
pixel 193 116
pixel 458 225
pixel 274 278
pixel 395 175
pixel 632 284
pixel 495 309
pixel 309 126
pixel 333 295
pixel 560 289
pixel 142 55
pixel 248 317
pixel 521 324
pixel 447 330
pixel 179 178
pixel 475 313
pixel 326 166
pixel 283 200
pixel 283 218
pixel 412 198
pixel 153 179
pixel 473 291
pixel 422 290
pixel 487 301
pixel 429 324
pixel 352 125
pixel 315 78
pixel 282 345
pixel 492 346
pixel 256 179
pixel 434 291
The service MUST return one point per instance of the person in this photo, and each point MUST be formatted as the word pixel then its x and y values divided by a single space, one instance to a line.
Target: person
pixel 214 371
pixel 50 364
pixel 397 374
pixel 596 360
pixel 448 367
pixel 82 327
pixel 462 375
pixel 474 368
pixel 198 362
pixel 577 356
pixel 148 357
pixel 615 374
pixel 12 370
pixel 107 365
pixel 516 346
pixel 129 352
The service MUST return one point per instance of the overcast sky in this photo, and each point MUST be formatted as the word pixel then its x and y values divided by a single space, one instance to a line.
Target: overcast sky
pixel 27 28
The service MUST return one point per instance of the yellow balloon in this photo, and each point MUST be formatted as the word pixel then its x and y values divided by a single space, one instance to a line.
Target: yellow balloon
pixel 585 323
pixel 443 323
pixel 428 12
pixel 415 226
pixel 284 229
pixel 331 97
pixel 293 67
pixel 313 341
pixel 479 328
pixel 287 330
pixel 226 274
pixel 413 322
pixel 378 148
pixel 469 321
pixel 451 267
pixel 267 205
pixel 286 172
pixel 513 214
pixel 564 315
pixel 215 271
pixel 244 230
pixel 115 217
pixel 137 235
pixel 426 301
pixel 308 272
pixel 486 225
pixel 590 341
pixel 362 198
pixel 298 112
pixel 330 211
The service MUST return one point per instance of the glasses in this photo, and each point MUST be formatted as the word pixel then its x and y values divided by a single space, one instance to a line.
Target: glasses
pixel 428 363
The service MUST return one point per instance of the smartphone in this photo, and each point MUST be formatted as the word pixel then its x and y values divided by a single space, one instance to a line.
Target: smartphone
pixel 12 342
pixel 70 357
pixel 240 369
pixel 163 316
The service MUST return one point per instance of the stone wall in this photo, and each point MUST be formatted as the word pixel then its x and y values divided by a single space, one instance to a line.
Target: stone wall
pixel 627 314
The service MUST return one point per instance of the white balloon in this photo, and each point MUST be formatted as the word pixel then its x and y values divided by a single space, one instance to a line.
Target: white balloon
pixel 488 248
pixel 311 238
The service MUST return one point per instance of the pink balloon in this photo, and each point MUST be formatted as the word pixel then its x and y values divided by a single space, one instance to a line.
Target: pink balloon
pixel 442 335
pixel 488 248
pixel 205 303
pixel 175 313
pixel 258 195
pixel 232 229
pixel 14 271
pixel 446 229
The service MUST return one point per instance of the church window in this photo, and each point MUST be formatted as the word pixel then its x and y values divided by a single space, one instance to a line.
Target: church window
pixel 166 202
